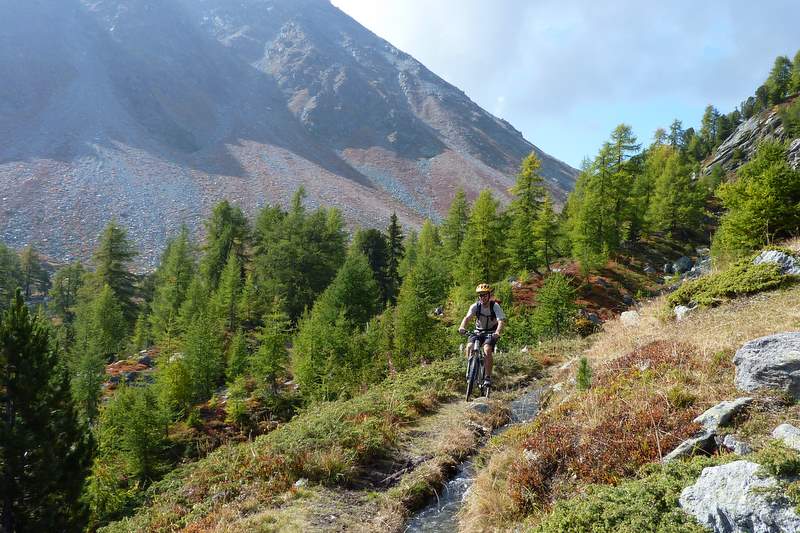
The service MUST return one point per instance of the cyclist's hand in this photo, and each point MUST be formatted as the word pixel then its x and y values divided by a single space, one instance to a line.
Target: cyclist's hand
pixel 462 330
pixel 496 336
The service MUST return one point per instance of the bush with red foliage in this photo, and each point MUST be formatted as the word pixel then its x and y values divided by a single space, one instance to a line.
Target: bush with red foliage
pixel 577 443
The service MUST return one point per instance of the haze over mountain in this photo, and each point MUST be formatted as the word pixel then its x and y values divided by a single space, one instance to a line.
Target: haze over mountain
pixel 152 111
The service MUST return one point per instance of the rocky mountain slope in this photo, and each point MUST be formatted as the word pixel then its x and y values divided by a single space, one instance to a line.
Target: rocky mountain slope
pixel 151 112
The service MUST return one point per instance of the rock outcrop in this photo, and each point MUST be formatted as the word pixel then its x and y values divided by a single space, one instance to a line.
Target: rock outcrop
pixel 734 498
pixel 788 264
pixel 771 362
pixel 741 146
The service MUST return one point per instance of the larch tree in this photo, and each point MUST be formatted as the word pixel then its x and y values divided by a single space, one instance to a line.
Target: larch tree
pixel 227 233
pixel 482 259
pixel 527 196
pixel 112 259
pixel 173 277
pixel 34 276
pixel 454 227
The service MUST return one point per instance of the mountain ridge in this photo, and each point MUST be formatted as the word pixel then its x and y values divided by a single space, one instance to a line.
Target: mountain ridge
pixel 151 112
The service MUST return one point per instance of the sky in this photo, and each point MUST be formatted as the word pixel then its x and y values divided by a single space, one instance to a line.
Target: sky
pixel 566 72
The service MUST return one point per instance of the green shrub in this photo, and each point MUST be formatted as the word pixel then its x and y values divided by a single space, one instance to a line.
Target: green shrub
pixel 779 460
pixel 680 398
pixel 742 278
pixel 646 504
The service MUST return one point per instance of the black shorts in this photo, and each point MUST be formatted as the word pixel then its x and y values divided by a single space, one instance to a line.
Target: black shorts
pixel 485 338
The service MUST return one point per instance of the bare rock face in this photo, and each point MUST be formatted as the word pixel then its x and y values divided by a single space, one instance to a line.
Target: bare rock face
pixel 788 264
pixel 769 362
pixel 151 112
pixel 733 498
pixel 741 146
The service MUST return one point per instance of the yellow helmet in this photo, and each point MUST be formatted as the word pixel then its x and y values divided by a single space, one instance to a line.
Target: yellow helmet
pixel 483 287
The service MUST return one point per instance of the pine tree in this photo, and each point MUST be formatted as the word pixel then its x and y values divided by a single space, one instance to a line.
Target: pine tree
pixel 227 233
pixel 67 282
pixel 111 260
pixel 528 195
pixel 45 453
pixel 375 246
pixel 708 129
pixel 676 134
pixel 396 251
pixel 586 211
pixel 454 227
pixel 413 326
pixel 34 276
pixel 173 278
pixel 132 451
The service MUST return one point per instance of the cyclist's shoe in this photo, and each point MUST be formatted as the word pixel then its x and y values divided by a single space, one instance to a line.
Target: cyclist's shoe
pixel 487 382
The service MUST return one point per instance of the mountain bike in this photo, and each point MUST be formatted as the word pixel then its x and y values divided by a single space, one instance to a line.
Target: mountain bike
pixel 475 364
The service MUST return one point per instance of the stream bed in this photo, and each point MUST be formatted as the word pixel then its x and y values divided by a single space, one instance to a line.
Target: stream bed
pixel 441 515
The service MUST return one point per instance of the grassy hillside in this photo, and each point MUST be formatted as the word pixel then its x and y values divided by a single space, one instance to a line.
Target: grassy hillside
pixel 590 462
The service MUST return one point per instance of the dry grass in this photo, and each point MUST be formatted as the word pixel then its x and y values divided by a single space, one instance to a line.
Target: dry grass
pixel 720 329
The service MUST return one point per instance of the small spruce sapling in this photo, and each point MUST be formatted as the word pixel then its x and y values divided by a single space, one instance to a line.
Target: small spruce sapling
pixel 584 376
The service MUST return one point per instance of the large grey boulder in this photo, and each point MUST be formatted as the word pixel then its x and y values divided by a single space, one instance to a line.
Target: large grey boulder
pixel 734 498
pixel 787 263
pixel 721 414
pixel 788 434
pixel 769 362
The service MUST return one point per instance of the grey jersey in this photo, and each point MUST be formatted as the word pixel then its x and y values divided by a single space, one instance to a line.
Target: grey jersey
pixel 484 322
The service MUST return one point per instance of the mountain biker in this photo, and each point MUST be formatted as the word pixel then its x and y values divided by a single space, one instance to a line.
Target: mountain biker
pixel 489 323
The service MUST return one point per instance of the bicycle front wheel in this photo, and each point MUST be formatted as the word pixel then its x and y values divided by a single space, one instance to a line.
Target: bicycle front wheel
pixel 472 375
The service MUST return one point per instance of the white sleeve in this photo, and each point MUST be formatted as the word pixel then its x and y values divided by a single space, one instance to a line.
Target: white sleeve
pixel 499 312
